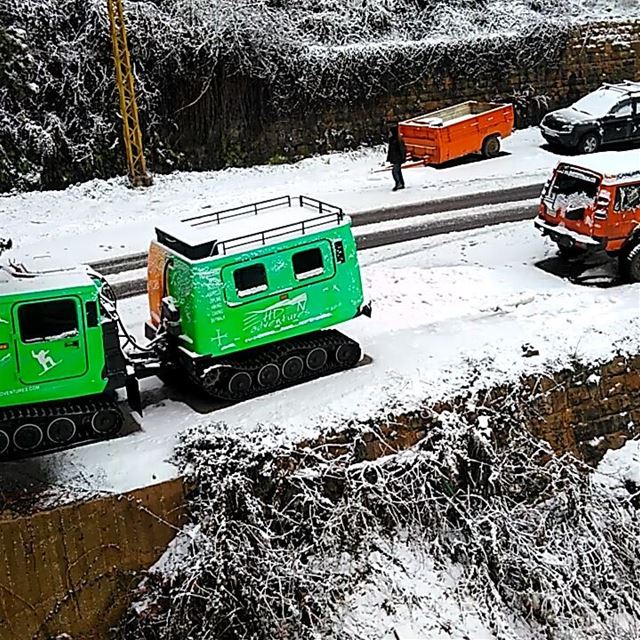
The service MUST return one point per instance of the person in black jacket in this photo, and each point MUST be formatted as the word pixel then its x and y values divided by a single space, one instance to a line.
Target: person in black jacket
pixel 396 155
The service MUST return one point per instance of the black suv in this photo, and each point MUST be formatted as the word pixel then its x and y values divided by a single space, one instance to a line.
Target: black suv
pixel 610 115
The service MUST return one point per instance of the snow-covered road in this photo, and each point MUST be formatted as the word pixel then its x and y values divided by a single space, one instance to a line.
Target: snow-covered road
pixel 447 310
pixel 103 219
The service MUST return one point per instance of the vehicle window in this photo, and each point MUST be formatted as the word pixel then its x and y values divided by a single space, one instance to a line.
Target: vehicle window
pixel 621 110
pixel 598 103
pixel 307 264
pixel 627 198
pixel 250 280
pixel 51 320
pixel 571 189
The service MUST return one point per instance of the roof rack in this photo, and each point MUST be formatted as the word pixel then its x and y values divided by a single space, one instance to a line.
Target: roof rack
pixel 626 86
pixel 326 214
pixel 256 207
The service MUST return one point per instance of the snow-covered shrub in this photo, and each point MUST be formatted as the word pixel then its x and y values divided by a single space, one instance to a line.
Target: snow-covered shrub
pixel 283 535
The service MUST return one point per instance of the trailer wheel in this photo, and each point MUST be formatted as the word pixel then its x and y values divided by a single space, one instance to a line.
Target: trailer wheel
pixel 630 264
pixel 491 147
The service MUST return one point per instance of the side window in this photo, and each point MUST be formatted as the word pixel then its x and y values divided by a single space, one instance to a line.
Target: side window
pixel 307 264
pixel 51 320
pixel 627 198
pixel 621 110
pixel 250 280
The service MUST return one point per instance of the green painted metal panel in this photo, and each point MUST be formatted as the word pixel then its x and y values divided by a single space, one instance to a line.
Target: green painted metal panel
pixel 218 319
pixel 62 367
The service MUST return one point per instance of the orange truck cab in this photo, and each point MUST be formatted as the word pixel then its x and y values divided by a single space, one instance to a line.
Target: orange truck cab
pixel 457 131
pixel 593 203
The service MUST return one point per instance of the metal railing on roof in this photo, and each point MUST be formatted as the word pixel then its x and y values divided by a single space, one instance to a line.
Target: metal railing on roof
pixel 327 214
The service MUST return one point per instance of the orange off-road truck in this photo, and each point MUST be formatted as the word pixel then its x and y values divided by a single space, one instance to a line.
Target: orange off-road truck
pixel 593 203
pixel 457 131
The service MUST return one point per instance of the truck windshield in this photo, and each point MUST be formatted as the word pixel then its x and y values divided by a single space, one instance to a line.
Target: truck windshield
pixel 571 188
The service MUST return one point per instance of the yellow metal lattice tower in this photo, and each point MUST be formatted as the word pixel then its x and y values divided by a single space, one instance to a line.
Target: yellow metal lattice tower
pixel 131 130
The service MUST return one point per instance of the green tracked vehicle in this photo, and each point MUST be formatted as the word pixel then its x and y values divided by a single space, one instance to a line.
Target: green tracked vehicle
pixel 60 361
pixel 246 296
pixel 242 301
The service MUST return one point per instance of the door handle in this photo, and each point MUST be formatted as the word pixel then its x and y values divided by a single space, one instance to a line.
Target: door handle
pixel 72 343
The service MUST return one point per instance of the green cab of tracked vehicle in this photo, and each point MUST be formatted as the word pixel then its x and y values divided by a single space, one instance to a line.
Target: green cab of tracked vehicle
pixel 60 360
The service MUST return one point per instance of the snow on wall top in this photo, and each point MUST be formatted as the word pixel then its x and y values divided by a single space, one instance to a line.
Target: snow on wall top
pixel 614 166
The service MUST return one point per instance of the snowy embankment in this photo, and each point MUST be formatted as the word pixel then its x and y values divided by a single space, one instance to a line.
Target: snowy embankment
pixel 104 219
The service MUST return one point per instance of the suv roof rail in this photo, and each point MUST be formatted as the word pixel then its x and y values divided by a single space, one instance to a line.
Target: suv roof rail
pixel 626 86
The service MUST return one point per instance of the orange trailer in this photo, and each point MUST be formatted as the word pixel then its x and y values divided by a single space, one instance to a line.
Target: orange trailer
pixel 454 132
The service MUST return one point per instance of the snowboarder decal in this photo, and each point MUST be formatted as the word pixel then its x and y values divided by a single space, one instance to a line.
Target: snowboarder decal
pixel 44 360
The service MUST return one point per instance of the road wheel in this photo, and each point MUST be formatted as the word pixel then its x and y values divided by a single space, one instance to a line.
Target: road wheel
pixel 240 384
pixel 316 359
pixel 106 422
pixel 491 147
pixel 4 442
pixel 61 430
pixel 27 437
pixel 589 143
pixel 630 264
pixel 268 375
pixel 293 367
pixel 348 354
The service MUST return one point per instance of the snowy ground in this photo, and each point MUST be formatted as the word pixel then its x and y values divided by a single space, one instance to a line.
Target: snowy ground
pixel 444 308
pixel 102 219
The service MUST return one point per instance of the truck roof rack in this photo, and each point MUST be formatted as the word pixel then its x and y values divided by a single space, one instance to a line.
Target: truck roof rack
pixel 247 227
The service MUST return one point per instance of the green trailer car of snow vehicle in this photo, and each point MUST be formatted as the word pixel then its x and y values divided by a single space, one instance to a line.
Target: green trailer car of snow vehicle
pixel 249 293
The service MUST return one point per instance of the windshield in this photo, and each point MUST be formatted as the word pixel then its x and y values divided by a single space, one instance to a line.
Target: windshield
pixel 598 103
pixel 572 189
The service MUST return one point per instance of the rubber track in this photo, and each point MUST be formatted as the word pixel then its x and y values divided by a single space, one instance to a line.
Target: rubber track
pixel 80 410
pixel 215 385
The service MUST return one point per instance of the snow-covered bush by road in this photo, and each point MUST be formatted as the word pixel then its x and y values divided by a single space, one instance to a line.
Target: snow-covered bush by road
pixel 58 109
pixel 295 543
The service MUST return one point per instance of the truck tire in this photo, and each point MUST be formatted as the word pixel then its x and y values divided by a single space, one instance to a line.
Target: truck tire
pixel 589 143
pixel 630 263
pixel 491 147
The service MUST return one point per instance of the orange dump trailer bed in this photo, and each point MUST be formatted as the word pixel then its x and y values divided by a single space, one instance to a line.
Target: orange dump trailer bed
pixel 453 132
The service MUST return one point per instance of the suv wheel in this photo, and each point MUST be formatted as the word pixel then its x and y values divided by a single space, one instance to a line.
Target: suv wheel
pixel 589 143
pixel 630 263
pixel 491 147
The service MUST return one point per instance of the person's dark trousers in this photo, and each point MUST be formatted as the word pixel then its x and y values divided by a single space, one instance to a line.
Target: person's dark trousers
pixel 396 171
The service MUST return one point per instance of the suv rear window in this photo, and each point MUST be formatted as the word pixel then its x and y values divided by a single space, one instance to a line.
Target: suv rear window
pixel 569 187
pixel 250 280
pixel 55 319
